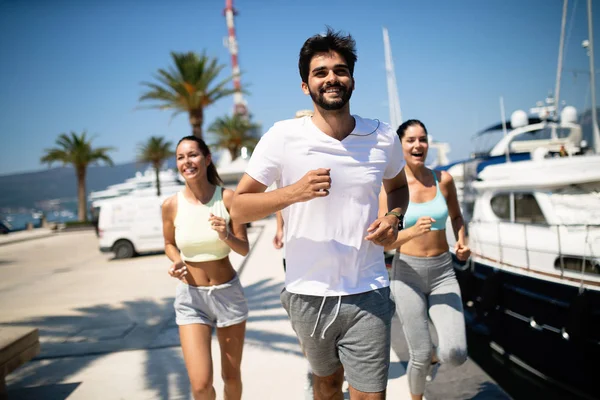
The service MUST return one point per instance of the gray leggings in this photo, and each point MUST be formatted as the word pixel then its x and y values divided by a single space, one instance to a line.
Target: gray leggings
pixel 422 285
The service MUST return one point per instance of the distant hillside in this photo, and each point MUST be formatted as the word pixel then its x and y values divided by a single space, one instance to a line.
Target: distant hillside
pixel 27 189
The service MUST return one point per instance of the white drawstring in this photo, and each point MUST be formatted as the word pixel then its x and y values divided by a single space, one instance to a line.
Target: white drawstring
pixel 337 311
pixel 210 289
pixel 318 316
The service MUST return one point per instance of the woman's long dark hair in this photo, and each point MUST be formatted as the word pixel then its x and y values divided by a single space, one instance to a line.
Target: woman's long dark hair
pixel 211 170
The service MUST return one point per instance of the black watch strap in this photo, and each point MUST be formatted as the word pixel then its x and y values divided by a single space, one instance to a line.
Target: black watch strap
pixel 398 215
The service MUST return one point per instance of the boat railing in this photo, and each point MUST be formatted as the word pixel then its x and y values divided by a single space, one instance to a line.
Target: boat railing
pixel 567 248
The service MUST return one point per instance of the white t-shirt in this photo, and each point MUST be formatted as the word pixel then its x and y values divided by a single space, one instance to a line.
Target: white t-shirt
pixel 326 254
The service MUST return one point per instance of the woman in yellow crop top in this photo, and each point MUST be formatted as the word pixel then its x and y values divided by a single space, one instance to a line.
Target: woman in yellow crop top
pixel 198 236
pixel 422 279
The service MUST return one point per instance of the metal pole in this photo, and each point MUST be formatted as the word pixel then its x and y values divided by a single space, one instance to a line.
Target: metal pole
pixel 560 57
pixel 526 246
pixel 587 234
pixel 562 261
pixel 500 243
pixel 593 78
pixel 503 116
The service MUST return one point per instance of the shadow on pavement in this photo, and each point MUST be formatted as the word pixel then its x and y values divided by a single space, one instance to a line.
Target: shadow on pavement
pixel 489 391
pixel 137 255
pixel 397 369
pixel 70 343
pixel 47 392
pixel 102 328
pixel 162 364
pixel 264 296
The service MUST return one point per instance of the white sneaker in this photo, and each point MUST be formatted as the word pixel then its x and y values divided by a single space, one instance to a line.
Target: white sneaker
pixel 433 369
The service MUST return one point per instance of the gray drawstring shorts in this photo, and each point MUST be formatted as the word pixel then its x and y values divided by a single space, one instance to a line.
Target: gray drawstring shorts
pixel 220 305
pixel 352 331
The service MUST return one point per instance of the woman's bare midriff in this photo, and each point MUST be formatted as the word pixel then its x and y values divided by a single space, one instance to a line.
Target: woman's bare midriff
pixel 431 244
pixel 209 273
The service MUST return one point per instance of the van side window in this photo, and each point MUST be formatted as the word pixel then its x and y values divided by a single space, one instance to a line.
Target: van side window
pixel 501 206
pixel 527 209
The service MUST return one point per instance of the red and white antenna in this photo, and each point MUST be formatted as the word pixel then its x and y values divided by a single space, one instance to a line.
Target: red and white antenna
pixel 239 104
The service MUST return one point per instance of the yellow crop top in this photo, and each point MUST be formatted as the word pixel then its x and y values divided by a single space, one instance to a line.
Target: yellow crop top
pixel 194 237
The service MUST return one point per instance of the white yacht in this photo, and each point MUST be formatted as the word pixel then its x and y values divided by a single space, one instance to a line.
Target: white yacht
pixel 532 284
pixel 532 206
pixel 145 182
pixel 230 171
pixel 523 138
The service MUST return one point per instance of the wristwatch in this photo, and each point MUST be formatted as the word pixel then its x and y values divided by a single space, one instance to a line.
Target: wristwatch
pixel 398 215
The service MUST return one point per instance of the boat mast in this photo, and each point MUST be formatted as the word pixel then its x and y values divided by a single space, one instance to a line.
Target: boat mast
pixel 442 149
pixel 593 78
pixel 560 58
pixel 393 98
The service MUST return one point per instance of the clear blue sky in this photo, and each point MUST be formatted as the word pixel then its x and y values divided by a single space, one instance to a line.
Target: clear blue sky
pixel 77 64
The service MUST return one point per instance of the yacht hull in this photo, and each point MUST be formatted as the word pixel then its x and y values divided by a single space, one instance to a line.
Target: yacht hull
pixel 545 327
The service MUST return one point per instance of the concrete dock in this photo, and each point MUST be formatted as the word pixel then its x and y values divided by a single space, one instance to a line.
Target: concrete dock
pixel 107 327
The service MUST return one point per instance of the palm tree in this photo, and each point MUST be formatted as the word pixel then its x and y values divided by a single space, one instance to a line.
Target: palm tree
pixel 233 133
pixel 155 151
pixel 188 87
pixel 77 150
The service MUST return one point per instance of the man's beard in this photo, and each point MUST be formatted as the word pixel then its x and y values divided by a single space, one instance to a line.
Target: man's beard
pixel 331 105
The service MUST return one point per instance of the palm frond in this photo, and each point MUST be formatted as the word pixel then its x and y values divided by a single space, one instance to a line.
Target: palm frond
pixel 98 156
pixel 76 149
pixel 155 150
pixel 233 133
pixel 55 155
pixel 188 84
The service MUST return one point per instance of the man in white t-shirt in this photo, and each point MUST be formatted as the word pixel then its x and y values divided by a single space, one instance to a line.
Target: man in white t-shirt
pixel 329 169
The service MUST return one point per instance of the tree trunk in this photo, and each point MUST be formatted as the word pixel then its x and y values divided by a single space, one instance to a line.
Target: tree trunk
pixel 81 195
pixel 157 170
pixel 196 119
pixel 233 152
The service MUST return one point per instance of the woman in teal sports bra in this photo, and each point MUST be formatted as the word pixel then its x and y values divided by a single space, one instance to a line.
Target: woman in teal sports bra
pixel 423 282
pixel 198 237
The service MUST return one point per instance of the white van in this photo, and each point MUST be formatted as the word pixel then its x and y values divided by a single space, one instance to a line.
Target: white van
pixel 132 224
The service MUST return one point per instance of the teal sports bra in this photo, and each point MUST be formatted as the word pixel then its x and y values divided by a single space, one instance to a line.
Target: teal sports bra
pixel 435 208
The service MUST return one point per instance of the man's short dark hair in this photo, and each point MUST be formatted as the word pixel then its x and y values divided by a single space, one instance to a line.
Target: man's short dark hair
pixel 330 41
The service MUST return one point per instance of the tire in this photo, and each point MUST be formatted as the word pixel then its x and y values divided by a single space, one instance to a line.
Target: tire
pixel 123 249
